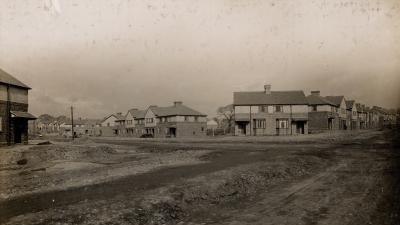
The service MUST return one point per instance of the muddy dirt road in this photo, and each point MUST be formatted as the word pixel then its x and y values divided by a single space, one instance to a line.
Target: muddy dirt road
pixel 352 180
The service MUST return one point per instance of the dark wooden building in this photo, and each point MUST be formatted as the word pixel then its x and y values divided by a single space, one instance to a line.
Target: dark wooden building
pixel 14 114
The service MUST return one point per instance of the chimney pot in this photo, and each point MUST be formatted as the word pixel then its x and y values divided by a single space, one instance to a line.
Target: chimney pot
pixel 316 93
pixel 267 89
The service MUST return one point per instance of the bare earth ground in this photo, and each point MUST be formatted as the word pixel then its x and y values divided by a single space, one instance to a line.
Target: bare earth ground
pixel 349 178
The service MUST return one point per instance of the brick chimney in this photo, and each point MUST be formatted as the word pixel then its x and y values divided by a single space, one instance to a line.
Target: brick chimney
pixel 267 89
pixel 316 93
pixel 176 103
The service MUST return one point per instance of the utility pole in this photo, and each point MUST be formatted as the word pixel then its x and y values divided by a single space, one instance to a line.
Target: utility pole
pixel 72 122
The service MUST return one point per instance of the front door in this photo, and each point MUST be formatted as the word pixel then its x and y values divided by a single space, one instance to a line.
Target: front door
pixel 172 132
pixel 242 127
pixel 19 127
pixel 300 127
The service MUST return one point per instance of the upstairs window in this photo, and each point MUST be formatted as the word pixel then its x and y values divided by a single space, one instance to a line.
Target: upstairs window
pixel 314 108
pixel 278 108
pixel 186 118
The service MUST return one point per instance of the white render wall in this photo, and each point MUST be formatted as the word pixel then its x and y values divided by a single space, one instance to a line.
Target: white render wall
pixel 110 120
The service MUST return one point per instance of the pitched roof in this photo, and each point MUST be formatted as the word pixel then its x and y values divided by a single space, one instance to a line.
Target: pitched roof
pixel 337 100
pixel 106 118
pixel 349 104
pixel 274 98
pixel 119 117
pixel 176 110
pixel 319 100
pixel 137 114
pixel 6 78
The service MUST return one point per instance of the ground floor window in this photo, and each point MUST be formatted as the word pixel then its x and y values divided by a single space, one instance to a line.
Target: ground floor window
pixel 282 124
pixel 259 124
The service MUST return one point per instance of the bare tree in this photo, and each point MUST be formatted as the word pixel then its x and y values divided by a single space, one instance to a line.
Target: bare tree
pixel 227 115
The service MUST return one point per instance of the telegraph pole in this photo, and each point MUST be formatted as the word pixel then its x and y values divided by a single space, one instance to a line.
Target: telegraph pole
pixel 72 122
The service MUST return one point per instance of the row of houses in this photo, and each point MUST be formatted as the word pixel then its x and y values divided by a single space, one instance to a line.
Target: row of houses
pixel 177 120
pixel 292 112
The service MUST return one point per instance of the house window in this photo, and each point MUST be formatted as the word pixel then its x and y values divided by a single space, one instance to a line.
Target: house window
pixel 186 118
pixel 260 124
pixel 108 124
pixel 149 120
pixel 196 119
pixel 314 108
pixel 282 124
pixel 278 108
pixel 202 129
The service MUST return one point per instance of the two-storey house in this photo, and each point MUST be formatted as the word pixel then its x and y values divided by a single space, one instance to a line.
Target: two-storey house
pixel 14 114
pixel 340 102
pixel 352 115
pixel 134 122
pixel 323 114
pixel 177 120
pixel 270 112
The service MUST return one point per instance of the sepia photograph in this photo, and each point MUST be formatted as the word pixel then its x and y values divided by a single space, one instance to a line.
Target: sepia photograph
pixel 200 112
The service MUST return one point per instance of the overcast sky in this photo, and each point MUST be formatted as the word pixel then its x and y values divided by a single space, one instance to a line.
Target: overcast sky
pixel 106 56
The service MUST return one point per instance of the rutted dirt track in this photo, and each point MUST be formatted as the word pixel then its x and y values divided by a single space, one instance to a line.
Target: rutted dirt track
pixel 352 180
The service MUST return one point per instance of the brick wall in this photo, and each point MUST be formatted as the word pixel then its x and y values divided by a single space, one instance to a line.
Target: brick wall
pixel 7 127
pixel 318 121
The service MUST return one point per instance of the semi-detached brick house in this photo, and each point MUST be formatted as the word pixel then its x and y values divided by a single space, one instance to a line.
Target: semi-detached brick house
pixel 340 103
pixel 323 114
pixel 270 112
pixel 174 121
pixel 14 114
pixel 134 122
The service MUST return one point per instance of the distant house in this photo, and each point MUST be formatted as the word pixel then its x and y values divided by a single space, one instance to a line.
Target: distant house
pixel 108 126
pixel 323 114
pixel 14 114
pixel 270 112
pixel 82 127
pixel 134 122
pixel 177 120
pixel 120 123
pixel 340 103
pixel 361 116
pixel 352 115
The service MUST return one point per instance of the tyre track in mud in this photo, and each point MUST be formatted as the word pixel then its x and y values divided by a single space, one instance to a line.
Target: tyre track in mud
pixel 350 192
pixel 133 184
